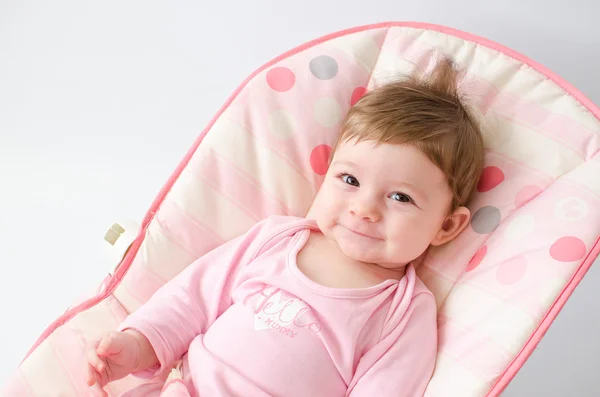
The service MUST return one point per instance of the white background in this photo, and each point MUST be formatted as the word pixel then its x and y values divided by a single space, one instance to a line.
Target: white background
pixel 99 100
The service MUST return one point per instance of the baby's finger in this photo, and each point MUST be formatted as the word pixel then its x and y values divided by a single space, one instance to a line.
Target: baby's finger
pixel 90 378
pixel 95 361
pixel 110 344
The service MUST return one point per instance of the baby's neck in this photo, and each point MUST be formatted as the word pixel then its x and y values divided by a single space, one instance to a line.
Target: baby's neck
pixel 322 261
pixel 381 272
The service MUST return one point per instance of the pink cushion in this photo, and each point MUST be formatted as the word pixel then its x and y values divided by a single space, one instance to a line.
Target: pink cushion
pixel 499 285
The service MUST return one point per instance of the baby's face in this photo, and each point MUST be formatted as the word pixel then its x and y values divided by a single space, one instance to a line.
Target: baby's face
pixel 381 204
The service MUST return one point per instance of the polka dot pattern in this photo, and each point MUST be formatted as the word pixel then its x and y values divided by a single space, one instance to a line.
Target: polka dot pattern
pixel 570 209
pixel 520 227
pixel 327 112
pixel 490 178
pixel 500 249
pixel 568 249
pixel 324 67
pixel 319 159
pixel 357 94
pixel 486 219
pixel 527 194
pixel 477 258
pixel 281 79
pixel 268 152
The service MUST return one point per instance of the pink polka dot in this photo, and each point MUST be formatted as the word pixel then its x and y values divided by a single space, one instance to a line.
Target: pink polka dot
pixel 357 94
pixel 477 258
pixel 281 79
pixel 512 270
pixel 526 194
pixel 319 159
pixel 567 249
pixel 490 178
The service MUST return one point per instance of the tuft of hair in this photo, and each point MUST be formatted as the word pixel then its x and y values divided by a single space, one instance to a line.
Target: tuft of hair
pixel 429 113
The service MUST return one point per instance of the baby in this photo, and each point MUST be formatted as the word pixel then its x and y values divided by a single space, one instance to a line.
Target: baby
pixel 327 305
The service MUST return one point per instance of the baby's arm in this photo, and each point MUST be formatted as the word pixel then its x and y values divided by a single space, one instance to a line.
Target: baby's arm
pixel 405 359
pixel 187 305
pixel 159 333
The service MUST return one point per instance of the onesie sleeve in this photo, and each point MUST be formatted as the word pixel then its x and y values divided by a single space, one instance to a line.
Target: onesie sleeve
pixel 188 304
pixel 401 364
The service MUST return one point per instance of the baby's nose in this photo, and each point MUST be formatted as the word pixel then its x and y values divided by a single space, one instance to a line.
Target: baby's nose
pixel 365 210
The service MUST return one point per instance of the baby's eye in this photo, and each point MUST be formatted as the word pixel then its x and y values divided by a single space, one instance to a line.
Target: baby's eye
pixel 349 179
pixel 403 198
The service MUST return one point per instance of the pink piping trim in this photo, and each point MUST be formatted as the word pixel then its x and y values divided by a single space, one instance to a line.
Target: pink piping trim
pixel 518 362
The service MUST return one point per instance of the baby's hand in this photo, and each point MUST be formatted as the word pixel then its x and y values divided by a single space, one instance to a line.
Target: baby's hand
pixel 115 356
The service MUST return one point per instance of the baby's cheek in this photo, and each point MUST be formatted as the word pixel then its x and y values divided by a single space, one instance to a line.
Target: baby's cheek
pixel 410 235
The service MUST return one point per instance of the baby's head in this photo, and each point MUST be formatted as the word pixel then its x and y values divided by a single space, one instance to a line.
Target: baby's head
pixel 405 165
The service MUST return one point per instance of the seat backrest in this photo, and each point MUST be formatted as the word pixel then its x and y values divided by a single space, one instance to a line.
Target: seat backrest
pixel 536 213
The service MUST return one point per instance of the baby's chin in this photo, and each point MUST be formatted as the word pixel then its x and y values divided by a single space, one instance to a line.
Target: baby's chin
pixel 374 253
pixel 358 252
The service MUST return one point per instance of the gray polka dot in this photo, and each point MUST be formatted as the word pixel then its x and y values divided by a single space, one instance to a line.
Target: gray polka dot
pixel 323 67
pixel 486 219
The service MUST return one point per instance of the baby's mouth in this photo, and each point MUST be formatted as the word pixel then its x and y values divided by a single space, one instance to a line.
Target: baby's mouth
pixel 357 232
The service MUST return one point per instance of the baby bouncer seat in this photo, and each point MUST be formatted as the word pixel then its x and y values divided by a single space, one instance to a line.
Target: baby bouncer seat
pixel 536 213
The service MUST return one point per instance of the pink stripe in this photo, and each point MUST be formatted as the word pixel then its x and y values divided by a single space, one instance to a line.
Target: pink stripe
pixel 142 282
pixel 190 233
pixel 477 353
pixel 61 344
pixel 256 124
pixel 16 385
pixel 537 118
pixel 578 185
pixel 570 89
pixel 487 97
pixel 116 309
pixel 130 290
pixel 555 309
pixel 542 328
pixel 240 187
pixel 541 175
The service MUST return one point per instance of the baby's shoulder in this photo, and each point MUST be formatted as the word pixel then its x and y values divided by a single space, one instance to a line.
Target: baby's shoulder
pixel 420 306
pixel 284 221
pixel 420 289
pixel 274 228
pixel 423 299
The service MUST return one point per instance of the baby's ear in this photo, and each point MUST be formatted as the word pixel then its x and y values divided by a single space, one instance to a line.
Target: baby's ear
pixel 452 226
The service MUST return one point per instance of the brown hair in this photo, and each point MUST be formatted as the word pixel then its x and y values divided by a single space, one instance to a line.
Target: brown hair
pixel 429 114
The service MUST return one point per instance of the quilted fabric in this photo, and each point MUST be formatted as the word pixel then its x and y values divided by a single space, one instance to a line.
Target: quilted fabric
pixel 536 213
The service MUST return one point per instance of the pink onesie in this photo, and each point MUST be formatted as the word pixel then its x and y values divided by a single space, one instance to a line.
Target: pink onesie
pixel 248 322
